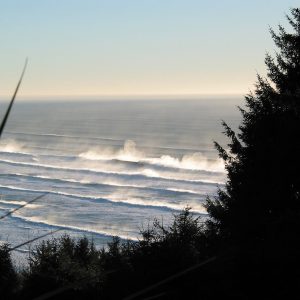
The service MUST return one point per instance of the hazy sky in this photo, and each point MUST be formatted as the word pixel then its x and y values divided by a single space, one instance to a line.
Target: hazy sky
pixel 121 47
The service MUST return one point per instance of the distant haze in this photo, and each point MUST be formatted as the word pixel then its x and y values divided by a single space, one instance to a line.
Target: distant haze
pixel 136 47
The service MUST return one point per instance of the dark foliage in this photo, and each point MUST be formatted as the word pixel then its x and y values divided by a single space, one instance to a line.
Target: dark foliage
pixel 59 263
pixel 82 270
pixel 8 276
pixel 172 248
pixel 258 214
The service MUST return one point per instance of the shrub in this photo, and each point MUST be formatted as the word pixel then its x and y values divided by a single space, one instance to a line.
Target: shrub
pixel 62 262
pixel 8 275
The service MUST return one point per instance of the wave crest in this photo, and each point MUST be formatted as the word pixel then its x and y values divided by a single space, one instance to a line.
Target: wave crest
pixel 129 152
pixel 11 146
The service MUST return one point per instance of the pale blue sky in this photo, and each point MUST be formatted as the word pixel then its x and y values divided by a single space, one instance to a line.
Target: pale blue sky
pixel 125 47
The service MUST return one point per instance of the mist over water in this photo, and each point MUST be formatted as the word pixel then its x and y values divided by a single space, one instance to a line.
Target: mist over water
pixel 109 167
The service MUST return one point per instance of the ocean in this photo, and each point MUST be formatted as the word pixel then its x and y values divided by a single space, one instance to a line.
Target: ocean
pixel 109 167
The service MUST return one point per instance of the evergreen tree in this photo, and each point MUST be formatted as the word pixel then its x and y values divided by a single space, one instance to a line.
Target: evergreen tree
pixel 258 212
pixel 8 275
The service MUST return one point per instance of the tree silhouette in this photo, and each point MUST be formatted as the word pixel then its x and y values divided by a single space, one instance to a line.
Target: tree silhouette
pixel 258 212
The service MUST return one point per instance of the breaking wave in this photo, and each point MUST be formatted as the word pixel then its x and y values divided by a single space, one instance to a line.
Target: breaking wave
pixel 37 220
pixel 129 152
pixel 137 174
pixel 129 201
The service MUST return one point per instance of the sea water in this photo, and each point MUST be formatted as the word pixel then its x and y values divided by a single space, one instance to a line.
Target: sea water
pixel 109 167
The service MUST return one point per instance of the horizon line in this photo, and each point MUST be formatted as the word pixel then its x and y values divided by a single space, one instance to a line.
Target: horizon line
pixel 123 96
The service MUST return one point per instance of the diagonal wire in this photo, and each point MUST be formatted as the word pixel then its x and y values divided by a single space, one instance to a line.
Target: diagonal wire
pixel 21 206
pixel 169 279
pixel 12 99
pixel 60 290
pixel 34 239
pixel 155 296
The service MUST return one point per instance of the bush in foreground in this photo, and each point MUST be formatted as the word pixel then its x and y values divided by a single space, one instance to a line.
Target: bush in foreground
pixel 77 269
pixel 8 275
pixel 62 262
